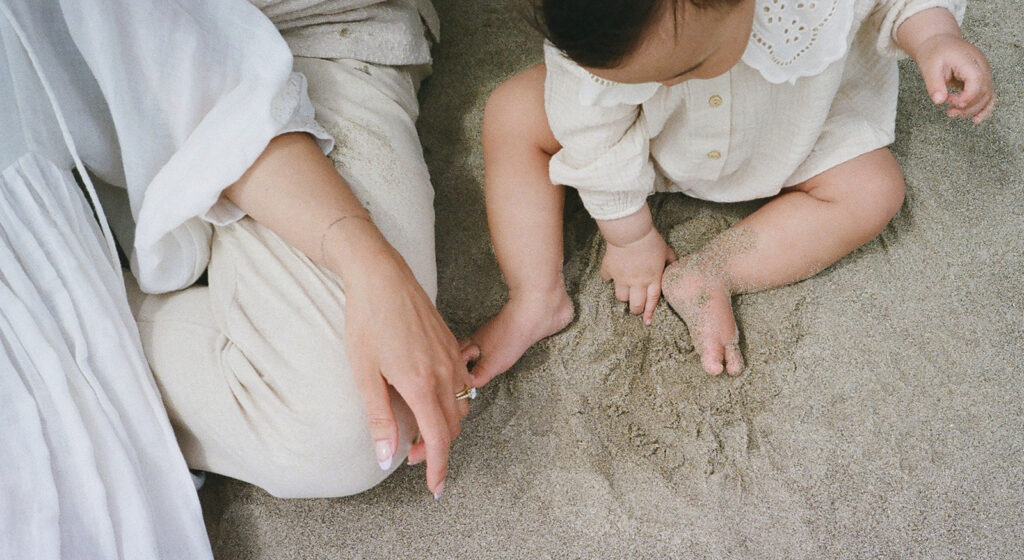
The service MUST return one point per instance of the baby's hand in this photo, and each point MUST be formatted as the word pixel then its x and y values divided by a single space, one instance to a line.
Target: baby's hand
pixel 947 61
pixel 636 269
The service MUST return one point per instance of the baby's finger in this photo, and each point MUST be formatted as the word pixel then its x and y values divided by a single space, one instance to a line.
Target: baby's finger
pixel 621 291
pixel 972 78
pixel 986 112
pixel 637 299
pixel 935 77
pixel 979 104
pixel 653 294
pixel 484 370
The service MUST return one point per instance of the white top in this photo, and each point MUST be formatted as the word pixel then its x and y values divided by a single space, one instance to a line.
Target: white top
pixel 785 113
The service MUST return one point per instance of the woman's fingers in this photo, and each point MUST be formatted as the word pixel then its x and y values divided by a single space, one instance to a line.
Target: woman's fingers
pixel 435 439
pixel 383 427
pixel 421 396
pixel 445 392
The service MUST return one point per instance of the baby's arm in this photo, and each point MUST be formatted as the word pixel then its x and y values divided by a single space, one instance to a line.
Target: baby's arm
pixel 932 38
pixel 635 259
pixel 603 152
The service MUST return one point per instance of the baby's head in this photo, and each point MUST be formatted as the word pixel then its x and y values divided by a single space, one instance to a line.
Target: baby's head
pixel 636 41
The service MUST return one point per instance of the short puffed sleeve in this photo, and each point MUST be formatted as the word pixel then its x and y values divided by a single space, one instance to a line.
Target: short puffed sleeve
pixel 601 127
pixel 890 14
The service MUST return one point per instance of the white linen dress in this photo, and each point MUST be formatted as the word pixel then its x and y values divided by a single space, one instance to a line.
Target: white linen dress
pixel 171 101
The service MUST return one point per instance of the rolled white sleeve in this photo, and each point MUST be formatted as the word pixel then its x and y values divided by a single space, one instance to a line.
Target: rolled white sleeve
pixel 890 14
pixel 191 118
pixel 224 212
pixel 605 151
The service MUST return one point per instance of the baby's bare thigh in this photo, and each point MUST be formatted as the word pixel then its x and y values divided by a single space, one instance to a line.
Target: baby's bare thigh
pixel 872 182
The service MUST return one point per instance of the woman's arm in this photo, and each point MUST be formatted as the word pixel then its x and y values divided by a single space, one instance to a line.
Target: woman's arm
pixel 394 334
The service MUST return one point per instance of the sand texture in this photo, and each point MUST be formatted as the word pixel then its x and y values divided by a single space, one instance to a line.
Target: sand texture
pixel 881 415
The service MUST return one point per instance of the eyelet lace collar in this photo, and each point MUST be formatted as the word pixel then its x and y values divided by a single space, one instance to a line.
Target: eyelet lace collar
pixel 792 39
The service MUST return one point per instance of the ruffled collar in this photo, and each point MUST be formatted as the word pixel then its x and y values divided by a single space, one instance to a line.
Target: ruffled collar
pixel 599 92
pixel 790 39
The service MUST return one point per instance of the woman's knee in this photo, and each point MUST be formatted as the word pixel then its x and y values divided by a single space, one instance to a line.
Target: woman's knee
pixel 327 451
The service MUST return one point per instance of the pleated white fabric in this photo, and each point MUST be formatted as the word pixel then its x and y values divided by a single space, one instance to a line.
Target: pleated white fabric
pixel 89 467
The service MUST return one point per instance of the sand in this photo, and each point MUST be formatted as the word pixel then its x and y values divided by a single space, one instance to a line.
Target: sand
pixel 881 414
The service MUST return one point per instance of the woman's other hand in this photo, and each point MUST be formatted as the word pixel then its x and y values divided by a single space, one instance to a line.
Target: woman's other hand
pixel 394 335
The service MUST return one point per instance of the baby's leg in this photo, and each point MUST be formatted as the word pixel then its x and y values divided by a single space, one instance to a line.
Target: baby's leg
pixel 524 211
pixel 796 235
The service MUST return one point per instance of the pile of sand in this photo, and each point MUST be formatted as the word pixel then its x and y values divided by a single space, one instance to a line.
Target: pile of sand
pixel 882 413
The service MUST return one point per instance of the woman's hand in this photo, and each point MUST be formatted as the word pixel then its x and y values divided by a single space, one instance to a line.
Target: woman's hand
pixel 395 336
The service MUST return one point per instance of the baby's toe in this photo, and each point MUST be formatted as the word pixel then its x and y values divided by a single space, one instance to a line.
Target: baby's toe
pixel 711 358
pixel 734 359
pixel 469 350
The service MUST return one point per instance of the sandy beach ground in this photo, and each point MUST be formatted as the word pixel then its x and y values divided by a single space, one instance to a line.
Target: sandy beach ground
pixel 881 415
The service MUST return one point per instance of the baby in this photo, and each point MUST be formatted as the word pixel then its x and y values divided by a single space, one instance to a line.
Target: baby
pixel 792 101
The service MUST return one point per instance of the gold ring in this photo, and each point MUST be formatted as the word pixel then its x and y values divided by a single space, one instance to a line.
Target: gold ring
pixel 467 392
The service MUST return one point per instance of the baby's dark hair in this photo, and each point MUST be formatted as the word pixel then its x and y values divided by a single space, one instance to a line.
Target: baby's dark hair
pixel 600 33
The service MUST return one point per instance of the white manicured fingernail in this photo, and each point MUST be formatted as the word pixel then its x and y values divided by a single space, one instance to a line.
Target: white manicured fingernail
pixel 384 454
pixel 440 490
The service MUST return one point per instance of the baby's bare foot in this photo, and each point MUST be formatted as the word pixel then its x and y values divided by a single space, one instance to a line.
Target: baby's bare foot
pixel 703 301
pixel 523 321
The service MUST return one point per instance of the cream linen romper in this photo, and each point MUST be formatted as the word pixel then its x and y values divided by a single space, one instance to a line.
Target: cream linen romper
pixel 816 87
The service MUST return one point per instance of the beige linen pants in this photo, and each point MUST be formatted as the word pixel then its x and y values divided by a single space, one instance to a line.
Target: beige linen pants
pixel 252 367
